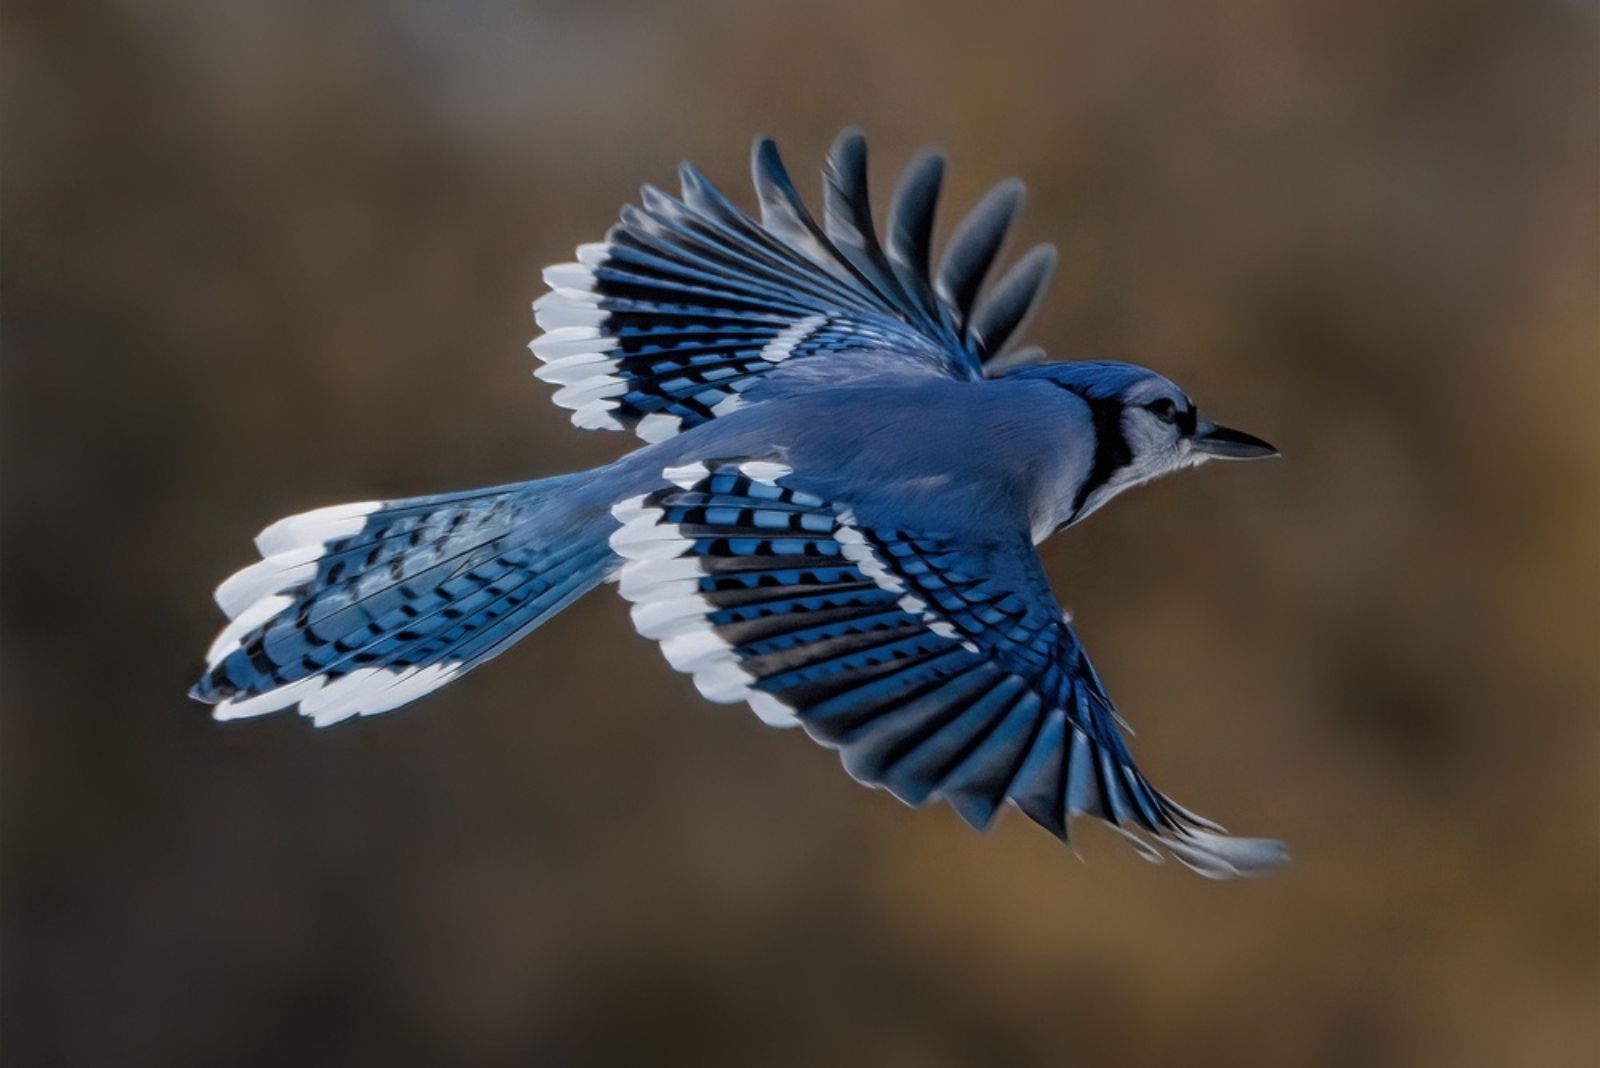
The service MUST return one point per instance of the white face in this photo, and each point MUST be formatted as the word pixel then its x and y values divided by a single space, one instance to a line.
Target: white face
pixel 1158 431
pixel 1157 419
pixel 1158 424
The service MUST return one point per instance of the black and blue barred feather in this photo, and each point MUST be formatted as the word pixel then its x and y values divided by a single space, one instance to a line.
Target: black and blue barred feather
pixel 905 650
pixel 690 305
pixel 358 609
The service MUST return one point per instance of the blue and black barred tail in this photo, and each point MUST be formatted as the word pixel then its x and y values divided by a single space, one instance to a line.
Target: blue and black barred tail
pixel 361 608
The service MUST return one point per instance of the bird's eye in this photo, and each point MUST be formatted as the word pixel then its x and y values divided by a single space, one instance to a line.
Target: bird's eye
pixel 1163 409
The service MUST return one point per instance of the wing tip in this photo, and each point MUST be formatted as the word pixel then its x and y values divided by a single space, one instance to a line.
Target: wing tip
pixel 1222 856
pixel 849 144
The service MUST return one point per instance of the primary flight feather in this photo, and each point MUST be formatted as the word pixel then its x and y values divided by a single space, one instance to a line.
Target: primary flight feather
pixel 834 518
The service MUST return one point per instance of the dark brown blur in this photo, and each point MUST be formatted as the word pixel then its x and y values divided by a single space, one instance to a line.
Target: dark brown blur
pixel 264 256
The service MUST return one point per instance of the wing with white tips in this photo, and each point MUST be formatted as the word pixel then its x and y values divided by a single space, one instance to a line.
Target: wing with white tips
pixel 690 304
pixel 936 667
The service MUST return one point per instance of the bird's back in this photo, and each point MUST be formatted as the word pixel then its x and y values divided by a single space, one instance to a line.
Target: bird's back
pixel 929 452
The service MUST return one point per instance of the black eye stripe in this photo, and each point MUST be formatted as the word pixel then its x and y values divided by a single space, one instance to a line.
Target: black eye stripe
pixel 1167 411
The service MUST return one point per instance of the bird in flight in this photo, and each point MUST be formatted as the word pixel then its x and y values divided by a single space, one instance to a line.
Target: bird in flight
pixel 833 518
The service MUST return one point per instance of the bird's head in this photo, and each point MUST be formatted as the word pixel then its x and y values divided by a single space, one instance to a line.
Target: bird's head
pixel 1145 427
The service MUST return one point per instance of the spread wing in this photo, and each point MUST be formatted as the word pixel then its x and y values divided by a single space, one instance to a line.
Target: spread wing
pixel 937 668
pixel 690 304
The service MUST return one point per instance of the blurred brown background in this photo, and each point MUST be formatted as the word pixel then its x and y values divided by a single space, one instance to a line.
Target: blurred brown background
pixel 265 256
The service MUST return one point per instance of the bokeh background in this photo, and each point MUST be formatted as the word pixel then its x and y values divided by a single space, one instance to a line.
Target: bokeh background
pixel 263 256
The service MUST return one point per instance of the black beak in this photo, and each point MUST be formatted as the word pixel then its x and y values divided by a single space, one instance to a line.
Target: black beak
pixel 1225 443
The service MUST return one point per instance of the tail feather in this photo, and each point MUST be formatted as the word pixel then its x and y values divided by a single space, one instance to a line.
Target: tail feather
pixel 360 608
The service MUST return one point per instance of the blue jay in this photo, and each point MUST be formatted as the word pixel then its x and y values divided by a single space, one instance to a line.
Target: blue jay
pixel 833 518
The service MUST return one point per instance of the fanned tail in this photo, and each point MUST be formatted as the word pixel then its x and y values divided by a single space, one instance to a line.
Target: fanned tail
pixel 360 608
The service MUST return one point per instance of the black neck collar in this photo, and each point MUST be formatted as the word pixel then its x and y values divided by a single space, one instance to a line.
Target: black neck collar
pixel 1111 451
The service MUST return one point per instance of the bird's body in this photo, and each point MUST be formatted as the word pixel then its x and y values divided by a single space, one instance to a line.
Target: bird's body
pixel 833 518
pixel 912 451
